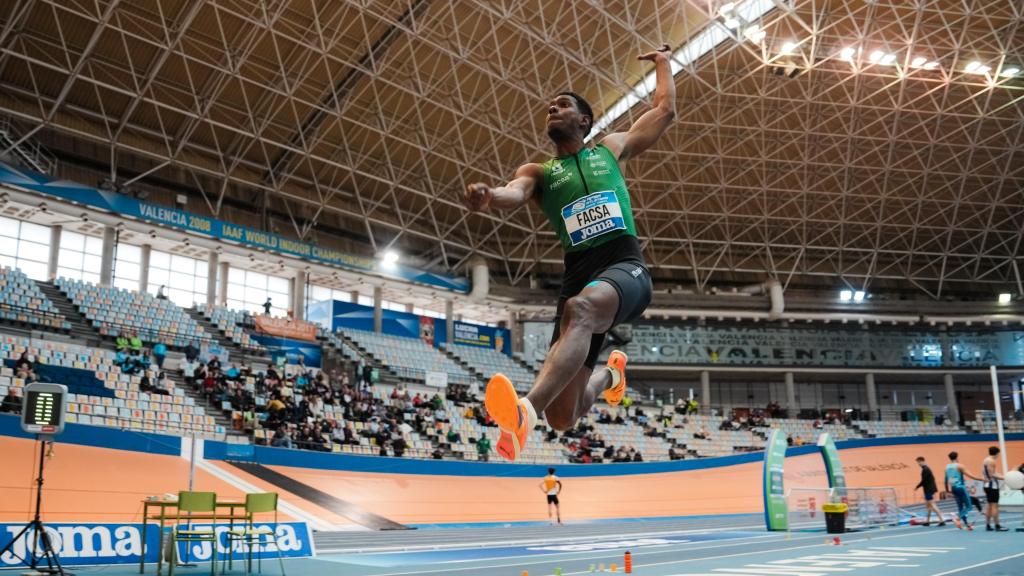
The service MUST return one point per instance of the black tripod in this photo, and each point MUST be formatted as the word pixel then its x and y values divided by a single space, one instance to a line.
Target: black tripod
pixel 36 528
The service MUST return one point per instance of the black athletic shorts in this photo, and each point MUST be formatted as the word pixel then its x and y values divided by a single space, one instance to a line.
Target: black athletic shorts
pixel 553 499
pixel 619 262
pixel 992 495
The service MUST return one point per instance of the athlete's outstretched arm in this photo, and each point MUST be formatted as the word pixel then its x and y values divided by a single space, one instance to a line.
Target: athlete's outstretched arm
pixel 480 196
pixel 649 127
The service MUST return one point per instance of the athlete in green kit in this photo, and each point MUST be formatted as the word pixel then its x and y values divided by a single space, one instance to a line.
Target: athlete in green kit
pixel 583 194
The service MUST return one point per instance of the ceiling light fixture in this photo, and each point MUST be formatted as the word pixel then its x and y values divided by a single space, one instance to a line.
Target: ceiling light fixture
pixel 845 295
pixel 975 67
pixel 1010 72
pixel 788 48
pixel 876 56
pixel 726 8
pixel 755 34
pixel 732 23
pixel 888 60
pixel 1005 298
pixel 847 53
pixel 931 65
pixel 918 62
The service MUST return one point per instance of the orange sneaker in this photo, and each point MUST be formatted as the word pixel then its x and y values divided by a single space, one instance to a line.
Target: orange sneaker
pixel 503 405
pixel 617 361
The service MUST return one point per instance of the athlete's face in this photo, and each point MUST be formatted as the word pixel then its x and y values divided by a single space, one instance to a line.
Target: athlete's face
pixel 564 119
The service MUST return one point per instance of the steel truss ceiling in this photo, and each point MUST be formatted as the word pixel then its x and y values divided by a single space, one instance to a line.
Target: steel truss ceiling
pixel 372 116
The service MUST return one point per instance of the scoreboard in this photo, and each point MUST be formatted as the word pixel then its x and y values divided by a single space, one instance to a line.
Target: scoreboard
pixel 43 408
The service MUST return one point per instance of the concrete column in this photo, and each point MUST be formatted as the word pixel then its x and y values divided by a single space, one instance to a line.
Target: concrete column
pixel 792 409
pixel 705 391
pixel 869 382
pixel 299 295
pixel 222 286
pixel 408 308
pixel 951 407
pixel 145 253
pixel 212 262
pixel 378 309
pixel 449 320
pixel 354 298
pixel 107 262
pixel 51 264
pixel 515 331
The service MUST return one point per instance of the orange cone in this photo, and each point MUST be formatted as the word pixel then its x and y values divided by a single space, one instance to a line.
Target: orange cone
pixel 628 563
pixel 615 567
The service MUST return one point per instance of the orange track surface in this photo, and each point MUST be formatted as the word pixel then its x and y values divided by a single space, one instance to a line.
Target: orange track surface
pixel 104 485
pixel 88 484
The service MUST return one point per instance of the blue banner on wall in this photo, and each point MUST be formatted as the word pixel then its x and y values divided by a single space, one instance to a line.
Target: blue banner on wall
pixel 346 315
pixel 290 350
pixel 85 544
pixel 338 315
pixel 244 235
pixel 474 335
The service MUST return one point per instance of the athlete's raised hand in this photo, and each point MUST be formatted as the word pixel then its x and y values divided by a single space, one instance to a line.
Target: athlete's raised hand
pixel 662 53
pixel 478 196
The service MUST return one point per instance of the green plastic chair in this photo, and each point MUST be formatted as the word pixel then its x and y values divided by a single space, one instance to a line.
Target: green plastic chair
pixel 250 535
pixel 190 503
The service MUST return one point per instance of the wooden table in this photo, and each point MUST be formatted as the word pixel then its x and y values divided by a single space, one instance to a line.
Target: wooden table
pixel 163 516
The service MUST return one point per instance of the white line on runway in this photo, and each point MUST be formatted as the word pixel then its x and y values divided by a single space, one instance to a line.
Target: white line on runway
pixel 1010 557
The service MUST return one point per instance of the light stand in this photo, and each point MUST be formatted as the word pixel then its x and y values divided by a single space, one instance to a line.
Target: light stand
pixel 37 528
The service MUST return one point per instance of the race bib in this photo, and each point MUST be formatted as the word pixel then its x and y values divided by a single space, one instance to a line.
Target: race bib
pixel 593 215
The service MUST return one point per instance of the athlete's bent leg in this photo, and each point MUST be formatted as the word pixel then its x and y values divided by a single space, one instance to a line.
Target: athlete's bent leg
pixel 590 312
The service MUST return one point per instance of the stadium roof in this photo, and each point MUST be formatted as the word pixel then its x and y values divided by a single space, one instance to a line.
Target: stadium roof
pixel 870 144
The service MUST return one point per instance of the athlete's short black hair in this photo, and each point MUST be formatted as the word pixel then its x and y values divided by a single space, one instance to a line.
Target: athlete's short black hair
pixel 953 455
pixel 551 470
pixel 582 104
pixel 993 450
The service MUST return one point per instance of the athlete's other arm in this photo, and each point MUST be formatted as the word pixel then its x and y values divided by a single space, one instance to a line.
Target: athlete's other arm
pixel 966 473
pixel 523 187
pixel 649 127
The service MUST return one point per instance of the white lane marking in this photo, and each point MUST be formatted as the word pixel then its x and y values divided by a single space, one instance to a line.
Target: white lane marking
pixel 532 541
pixel 908 531
pixel 954 571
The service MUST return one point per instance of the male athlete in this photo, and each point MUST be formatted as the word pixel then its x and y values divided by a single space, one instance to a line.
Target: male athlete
pixel 927 484
pixel 955 473
pixel 989 472
pixel 583 194
pixel 551 486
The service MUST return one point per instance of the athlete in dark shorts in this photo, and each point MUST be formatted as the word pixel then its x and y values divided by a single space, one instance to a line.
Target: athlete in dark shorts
pixel 989 471
pixel 584 196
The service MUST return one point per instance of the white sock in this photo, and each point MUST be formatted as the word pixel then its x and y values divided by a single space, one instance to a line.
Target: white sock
pixel 531 412
pixel 615 376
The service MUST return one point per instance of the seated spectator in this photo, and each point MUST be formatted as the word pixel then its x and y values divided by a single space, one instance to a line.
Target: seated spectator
pixel 453 436
pixel 24 366
pixel 192 352
pixel 11 403
pixel 121 343
pixel 159 354
pixel 135 344
pixel 483 449
pixel 702 434
pixel 282 437
pixel 398 445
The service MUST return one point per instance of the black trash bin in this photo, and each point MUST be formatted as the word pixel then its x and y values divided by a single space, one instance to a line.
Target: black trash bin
pixel 835 518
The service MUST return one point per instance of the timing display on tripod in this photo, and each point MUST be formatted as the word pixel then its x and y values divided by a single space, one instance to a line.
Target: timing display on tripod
pixel 42 414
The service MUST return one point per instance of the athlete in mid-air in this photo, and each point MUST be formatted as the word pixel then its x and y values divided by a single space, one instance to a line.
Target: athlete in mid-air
pixel 605 283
